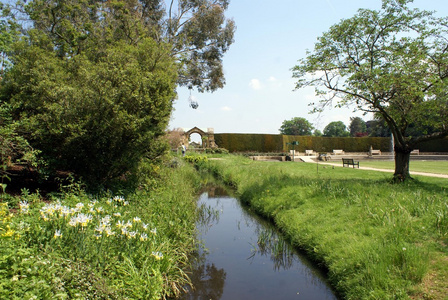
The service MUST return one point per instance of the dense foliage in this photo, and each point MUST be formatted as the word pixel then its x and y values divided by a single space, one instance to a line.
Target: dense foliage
pixel 391 62
pixel 90 85
pixel 357 127
pixel 296 126
pixel 336 129
pixel 96 113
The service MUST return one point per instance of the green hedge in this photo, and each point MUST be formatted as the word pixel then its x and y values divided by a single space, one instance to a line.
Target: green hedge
pixel 440 145
pixel 328 144
pixel 236 142
pixel 241 142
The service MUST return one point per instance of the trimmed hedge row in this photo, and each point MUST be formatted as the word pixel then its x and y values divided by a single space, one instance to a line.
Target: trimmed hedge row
pixel 328 144
pixel 434 146
pixel 243 142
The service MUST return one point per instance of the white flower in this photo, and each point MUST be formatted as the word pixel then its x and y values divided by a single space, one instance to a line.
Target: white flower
pixel 57 234
pixel 137 219
pixel 143 237
pixel 124 231
pixel 65 211
pixel 157 255
pixel 153 231
pixel 81 219
pixel 109 232
pixel 106 220
pixel 132 234
pixel 100 228
pixel 24 207
pixel 118 198
pixel 120 224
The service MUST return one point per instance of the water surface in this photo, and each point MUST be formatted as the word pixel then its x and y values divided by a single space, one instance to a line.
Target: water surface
pixel 244 258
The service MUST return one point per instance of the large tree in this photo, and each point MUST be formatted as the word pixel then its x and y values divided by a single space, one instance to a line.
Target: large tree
pixel 336 129
pixel 198 32
pixel 392 62
pixel 357 127
pixel 378 128
pixel 296 126
pixel 200 35
pixel 91 96
pixel 92 82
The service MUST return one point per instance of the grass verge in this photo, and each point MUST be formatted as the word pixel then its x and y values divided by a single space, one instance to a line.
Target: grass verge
pixel 376 240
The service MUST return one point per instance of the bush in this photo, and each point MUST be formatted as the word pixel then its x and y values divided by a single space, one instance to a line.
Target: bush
pixel 216 151
pixel 96 114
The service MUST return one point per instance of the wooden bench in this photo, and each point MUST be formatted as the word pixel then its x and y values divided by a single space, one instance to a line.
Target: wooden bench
pixel 372 152
pixel 309 152
pixel 336 152
pixel 349 162
pixel 416 151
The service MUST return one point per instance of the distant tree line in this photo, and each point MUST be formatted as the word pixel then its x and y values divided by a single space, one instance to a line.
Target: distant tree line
pixel 357 128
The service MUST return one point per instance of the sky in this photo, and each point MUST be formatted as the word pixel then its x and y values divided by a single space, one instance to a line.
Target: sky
pixel 270 38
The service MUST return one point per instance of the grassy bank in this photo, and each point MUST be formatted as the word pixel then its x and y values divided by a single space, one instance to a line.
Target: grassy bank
pixel 72 245
pixel 376 240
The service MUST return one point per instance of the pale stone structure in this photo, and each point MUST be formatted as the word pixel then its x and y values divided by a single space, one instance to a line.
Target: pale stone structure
pixel 207 137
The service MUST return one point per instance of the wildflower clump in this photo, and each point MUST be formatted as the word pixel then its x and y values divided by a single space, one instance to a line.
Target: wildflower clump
pixel 74 245
pixel 5 221
pixel 105 233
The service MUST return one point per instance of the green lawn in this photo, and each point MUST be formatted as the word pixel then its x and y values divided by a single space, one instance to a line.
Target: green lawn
pixel 377 240
pixel 429 166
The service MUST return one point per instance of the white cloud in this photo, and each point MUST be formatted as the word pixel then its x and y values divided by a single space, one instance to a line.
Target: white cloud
pixel 255 84
pixel 226 108
pixel 272 79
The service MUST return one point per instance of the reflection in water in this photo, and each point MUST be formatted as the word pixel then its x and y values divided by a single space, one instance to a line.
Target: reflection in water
pixel 280 252
pixel 243 257
pixel 208 281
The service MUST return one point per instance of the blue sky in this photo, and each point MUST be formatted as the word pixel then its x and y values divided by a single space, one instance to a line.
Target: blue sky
pixel 271 37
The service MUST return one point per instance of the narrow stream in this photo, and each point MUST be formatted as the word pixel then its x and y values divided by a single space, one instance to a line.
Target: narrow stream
pixel 244 257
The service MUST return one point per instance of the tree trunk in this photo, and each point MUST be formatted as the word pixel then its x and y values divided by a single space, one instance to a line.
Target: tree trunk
pixel 402 157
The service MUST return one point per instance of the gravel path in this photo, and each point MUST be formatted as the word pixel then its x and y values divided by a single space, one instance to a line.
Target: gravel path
pixel 388 170
pixel 309 159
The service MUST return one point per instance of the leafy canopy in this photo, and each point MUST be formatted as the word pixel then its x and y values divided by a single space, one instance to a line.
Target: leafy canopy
pixel 357 127
pixel 336 129
pixel 296 126
pixel 392 62
pixel 91 96
pixel 197 30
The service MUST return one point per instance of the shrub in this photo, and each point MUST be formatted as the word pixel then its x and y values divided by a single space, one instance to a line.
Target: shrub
pixel 96 115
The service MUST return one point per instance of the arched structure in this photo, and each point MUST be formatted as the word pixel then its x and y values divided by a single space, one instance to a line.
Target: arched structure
pixel 207 137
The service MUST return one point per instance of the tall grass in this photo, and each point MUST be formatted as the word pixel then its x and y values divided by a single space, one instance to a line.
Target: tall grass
pixel 111 246
pixel 376 239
